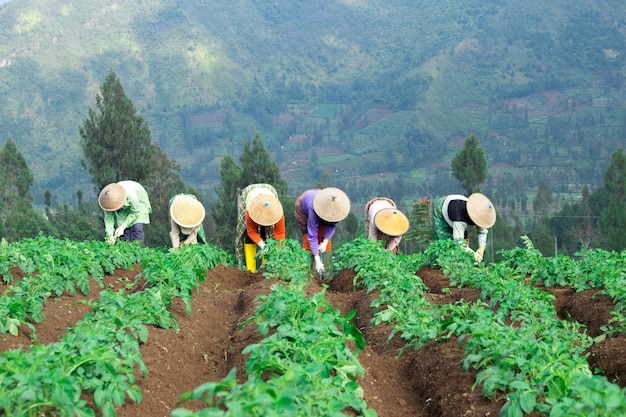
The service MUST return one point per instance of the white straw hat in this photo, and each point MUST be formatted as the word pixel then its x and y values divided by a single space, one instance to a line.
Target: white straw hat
pixel 331 204
pixel 112 197
pixel 187 212
pixel 265 210
pixel 481 210
pixel 391 222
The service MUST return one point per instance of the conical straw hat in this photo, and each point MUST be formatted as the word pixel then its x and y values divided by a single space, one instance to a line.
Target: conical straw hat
pixel 187 212
pixel 331 204
pixel 265 210
pixel 391 222
pixel 481 210
pixel 112 197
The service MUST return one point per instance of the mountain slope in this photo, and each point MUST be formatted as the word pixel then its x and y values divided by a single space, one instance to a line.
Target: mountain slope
pixel 177 59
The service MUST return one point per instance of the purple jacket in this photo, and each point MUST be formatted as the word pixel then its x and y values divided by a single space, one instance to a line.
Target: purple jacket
pixel 309 222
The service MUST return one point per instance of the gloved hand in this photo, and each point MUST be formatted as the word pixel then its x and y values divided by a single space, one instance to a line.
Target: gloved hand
pixel 261 245
pixel 477 257
pixel 319 266
pixel 323 246
pixel 481 251
pixel 111 240
pixel 119 231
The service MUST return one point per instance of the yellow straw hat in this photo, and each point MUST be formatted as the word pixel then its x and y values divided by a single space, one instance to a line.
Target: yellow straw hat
pixel 481 210
pixel 331 204
pixel 391 222
pixel 187 212
pixel 265 210
pixel 112 197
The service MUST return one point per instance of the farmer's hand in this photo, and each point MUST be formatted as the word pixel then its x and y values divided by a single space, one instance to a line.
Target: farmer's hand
pixel 477 257
pixel 323 245
pixel 319 266
pixel 261 245
pixel 119 231
pixel 481 251
pixel 111 240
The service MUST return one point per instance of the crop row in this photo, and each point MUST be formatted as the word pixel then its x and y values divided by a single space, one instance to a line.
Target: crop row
pixel 512 336
pixel 98 355
pixel 302 366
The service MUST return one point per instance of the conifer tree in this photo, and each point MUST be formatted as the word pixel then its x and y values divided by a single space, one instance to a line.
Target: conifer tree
pixel 117 145
pixel 613 216
pixel 543 199
pixel 115 140
pixel 469 166
pixel 18 217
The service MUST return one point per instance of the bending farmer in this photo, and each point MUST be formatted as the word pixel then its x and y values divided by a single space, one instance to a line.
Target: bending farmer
pixel 126 205
pixel 317 213
pixel 453 214
pixel 383 221
pixel 186 216
pixel 260 217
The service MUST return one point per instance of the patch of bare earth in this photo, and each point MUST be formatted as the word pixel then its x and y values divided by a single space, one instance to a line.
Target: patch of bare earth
pixel 424 383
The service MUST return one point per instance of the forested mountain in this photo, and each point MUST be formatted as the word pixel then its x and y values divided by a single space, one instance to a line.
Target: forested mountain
pixel 374 96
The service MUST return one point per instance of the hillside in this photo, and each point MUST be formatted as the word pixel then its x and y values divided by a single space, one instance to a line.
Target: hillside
pixel 353 89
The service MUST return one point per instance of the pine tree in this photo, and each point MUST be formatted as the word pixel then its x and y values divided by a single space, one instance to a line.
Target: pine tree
pixel 18 217
pixel 258 167
pixel 613 216
pixel 115 140
pixel 15 176
pixel 117 145
pixel 543 199
pixel 469 166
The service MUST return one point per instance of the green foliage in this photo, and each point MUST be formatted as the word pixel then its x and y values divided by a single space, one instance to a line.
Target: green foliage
pixel 117 145
pixel 115 140
pixel 421 230
pixel 469 166
pixel 101 353
pixel 302 366
pixel 543 199
pixel 613 217
pixel 255 166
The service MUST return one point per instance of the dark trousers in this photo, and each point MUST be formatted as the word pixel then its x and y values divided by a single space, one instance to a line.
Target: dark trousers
pixel 135 232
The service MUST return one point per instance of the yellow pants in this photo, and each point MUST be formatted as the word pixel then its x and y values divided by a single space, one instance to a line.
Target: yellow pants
pixel 249 251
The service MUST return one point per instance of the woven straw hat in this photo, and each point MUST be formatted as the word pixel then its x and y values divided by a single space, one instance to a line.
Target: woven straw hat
pixel 187 212
pixel 481 210
pixel 331 204
pixel 265 210
pixel 391 222
pixel 112 197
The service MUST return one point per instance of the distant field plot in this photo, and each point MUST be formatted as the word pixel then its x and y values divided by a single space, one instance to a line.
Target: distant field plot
pixel 326 111
pixel 384 134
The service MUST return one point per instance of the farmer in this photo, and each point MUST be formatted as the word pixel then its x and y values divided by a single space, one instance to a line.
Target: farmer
pixel 453 214
pixel 383 221
pixel 317 212
pixel 186 216
pixel 260 217
pixel 126 204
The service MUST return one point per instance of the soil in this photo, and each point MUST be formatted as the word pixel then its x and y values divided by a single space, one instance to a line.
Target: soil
pixel 424 383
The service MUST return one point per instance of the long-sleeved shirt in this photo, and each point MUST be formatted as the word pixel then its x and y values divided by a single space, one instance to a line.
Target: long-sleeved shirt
pixel 136 208
pixel 373 233
pixel 310 222
pixel 455 214
pixel 253 229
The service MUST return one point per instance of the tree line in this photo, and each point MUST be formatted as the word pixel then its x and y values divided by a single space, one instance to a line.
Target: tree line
pixel 117 145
